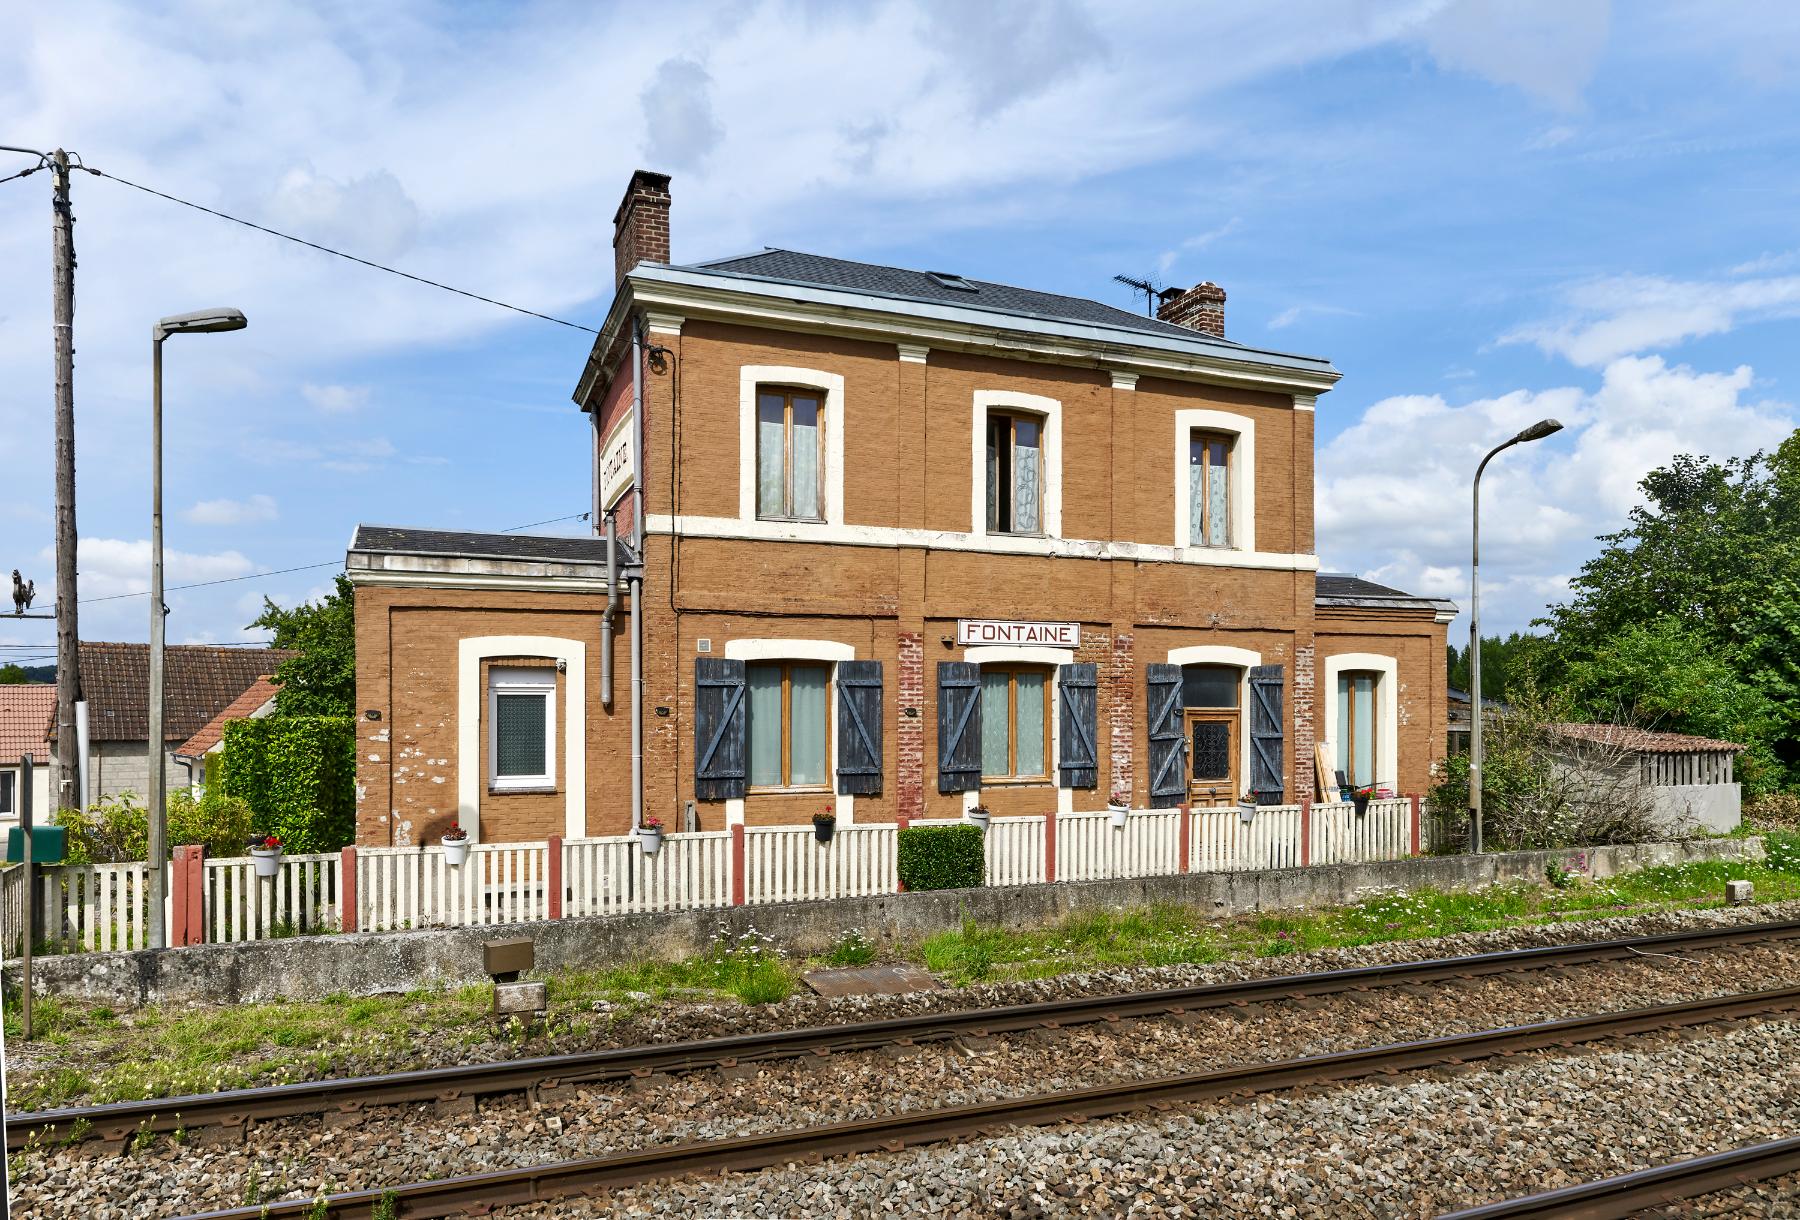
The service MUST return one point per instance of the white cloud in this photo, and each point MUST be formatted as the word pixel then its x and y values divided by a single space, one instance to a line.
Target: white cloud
pixel 257 508
pixel 1782 260
pixel 1548 48
pixel 1618 315
pixel 371 216
pixel 111 566
pixel 336 399
pixel 1393 496
pixel 1165 262
pixel 1294 313
pixel 680 128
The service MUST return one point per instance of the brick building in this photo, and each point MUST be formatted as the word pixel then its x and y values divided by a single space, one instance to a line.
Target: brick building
pixel 907 543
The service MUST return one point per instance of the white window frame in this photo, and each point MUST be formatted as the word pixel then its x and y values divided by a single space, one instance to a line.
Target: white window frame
pixel 521 680
pixel 1387 709
pixel 1241 659
pixel 1028 654
pixel 830 652
pixel 1050 411
pixel 1189 420
pixel 831 477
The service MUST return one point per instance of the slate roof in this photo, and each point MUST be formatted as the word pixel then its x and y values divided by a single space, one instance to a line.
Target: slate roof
pixel 1643 741
pixel 462 544
pixel 26 713
pixel 199 682
pixel 241 708
pixel 1342 589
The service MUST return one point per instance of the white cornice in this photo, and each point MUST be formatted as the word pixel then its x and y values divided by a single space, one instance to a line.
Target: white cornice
pixel 663 323
pixel 913 353
pixel 1124 381
pixel 467 580
pixel 1305 402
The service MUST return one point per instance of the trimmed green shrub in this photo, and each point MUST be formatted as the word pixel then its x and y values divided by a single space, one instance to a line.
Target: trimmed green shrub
pixel 118 828
pixel 942 857
pixel 224 823
pixel 298 773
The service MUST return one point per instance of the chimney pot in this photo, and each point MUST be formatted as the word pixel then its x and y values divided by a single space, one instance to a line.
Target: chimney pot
pixel 1200 308
pixel 641 225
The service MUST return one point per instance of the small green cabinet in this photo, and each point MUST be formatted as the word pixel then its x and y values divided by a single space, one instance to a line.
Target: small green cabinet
pixel 49 844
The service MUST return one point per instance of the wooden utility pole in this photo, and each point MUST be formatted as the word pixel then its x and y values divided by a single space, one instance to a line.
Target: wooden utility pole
pixel 68 635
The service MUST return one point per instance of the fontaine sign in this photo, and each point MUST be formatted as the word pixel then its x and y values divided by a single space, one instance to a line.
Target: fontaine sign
pixel 1001 631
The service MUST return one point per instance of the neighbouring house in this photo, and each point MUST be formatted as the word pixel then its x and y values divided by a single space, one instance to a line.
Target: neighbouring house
pixel 199 682
pixel 1691 781
pixel 26 713
pixel 896 544
pixel 202 753
pixel 1459 716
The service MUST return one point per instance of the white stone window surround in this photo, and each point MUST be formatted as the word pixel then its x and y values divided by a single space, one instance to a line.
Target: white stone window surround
pixel 1050 410
pixel 831 385
pixel 1188 420
pixel 470 653
pixel 1055 658
pixel 1243 659
pixel 829 651
pixel 521 680
pixel 1387 703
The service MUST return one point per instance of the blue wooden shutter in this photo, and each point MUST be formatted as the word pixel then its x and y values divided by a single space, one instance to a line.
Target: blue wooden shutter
pixel 859 728
pixel 720 720
pixel 1077 687
pixel 1168 745
pixel 1267 779
pixel 959 726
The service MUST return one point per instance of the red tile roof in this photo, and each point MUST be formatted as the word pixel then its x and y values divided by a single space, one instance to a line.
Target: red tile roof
pixel 26 713
pixel 199 682
pixel 241 708
pixel 1643 741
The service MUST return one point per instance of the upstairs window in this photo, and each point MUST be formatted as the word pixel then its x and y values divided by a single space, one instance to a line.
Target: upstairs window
pixel 790 449
pixel 789 728
pixel 1015 473
pixel 1209 489
pixel 1015 723
pixel 521 743
pixel 1356 735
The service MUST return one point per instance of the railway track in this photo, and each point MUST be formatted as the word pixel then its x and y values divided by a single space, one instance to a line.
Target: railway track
pixel 448 1196
pixel 231 1114
pixel 1630 1193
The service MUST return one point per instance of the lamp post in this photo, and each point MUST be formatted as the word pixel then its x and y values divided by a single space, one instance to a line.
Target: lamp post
pixel 1537 432
pixel 202 321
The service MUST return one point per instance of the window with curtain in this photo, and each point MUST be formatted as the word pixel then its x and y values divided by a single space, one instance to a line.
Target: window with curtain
pixel 789 726
pixel 1015 473
pixel 1015 723
pixel 521 741
pixel 1356 726
pixel 790 448
pixel 1209 489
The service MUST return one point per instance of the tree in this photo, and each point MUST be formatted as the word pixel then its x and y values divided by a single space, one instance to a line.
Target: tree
pixel 1505 663
pixel 12 675
pixel 321 680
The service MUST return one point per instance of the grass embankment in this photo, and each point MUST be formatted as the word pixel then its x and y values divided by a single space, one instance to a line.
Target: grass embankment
pixel 94 1055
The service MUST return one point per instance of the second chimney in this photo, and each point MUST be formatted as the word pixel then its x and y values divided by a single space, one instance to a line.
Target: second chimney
pixel 641 225
pixel 1200 308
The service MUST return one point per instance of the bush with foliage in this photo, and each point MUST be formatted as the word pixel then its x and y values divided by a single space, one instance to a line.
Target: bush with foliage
pixel 299 774
pixel 942 857
pixel 321 679
pixel 117 829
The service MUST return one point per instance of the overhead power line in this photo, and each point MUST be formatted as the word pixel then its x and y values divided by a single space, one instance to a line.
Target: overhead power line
pixel 405 275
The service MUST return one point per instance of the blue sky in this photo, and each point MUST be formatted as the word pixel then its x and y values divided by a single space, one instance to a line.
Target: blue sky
pixel 1484 212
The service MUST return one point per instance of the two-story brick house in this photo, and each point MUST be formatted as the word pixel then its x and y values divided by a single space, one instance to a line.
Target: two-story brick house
pixel 895 543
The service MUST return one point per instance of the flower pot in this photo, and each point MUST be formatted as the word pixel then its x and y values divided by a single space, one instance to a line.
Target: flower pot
pixel 978 817
pixel 267 860
pixel 456 851
pixel 822 831
pixel 1117 814
pixel 650 838
pixel 1361 803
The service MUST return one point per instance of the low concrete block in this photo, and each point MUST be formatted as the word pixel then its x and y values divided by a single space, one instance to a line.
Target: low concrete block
pixel 520 999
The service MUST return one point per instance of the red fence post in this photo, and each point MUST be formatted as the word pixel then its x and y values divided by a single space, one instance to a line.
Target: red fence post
pixel 904 822
pixel 347 889
pixel 1305 831
pixel 187 895
pixel 1185 836
pixel 1414 798
pixel 1050 847
pixel 737 864
pixel 553 868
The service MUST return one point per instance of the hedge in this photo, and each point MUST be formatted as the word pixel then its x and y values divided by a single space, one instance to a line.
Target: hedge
pixel 299 774
pixel 942 857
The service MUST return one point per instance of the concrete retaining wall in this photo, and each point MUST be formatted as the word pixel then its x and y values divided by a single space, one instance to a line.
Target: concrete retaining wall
pixel 374 962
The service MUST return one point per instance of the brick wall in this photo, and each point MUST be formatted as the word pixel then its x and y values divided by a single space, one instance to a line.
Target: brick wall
pixel 909 730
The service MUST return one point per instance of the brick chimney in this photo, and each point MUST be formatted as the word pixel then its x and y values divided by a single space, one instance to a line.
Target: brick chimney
pixel 641 225
pixel 1200 308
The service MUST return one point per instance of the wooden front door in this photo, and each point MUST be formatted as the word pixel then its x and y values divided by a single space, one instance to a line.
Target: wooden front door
pixel 1212 758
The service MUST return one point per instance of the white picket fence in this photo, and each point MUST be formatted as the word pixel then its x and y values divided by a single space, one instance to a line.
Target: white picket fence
pixel 103 907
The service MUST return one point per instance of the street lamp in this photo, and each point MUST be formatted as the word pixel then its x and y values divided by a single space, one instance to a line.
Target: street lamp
pixel 203 321
pixel 1537 432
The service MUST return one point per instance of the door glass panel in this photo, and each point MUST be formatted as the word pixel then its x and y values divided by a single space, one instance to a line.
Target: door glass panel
pixel 770 437
pixel 1364 735
pixel 806 714
pixel 1212 750
pixel 1029 749
pixel 1209 686
pixel 765 725
pixel 993 724
pixel 805 447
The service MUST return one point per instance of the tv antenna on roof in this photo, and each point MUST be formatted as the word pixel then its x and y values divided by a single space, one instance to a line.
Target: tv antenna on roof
pixel 1148 286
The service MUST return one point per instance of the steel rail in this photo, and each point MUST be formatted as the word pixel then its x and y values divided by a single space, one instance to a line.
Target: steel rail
pixel 448 1196
pixel 460 1085
pixel 1629 1193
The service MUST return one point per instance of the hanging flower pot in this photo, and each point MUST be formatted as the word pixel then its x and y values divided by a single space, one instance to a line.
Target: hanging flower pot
pixel 824 824
pixel 650 836
pixel 456 845
pixel 1117 814
pixel 265 854
pixel 979 816
pixel 1360 798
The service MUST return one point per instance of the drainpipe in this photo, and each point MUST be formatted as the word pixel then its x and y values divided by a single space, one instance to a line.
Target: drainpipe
pixel 637 703
pixel 606 616
pixel 637 446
